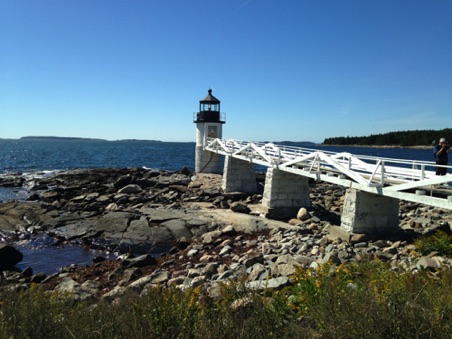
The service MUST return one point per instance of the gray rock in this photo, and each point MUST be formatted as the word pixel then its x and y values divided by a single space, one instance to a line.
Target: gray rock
pixel 141 261
pixel 329 248
pixel 303 260
pixel 257 272
pixel 193 272
pixel 360 245
pixel 130 189
pixel 160 277
pixel 391 250
pixel 225 250
pixel 68 285
pixel 74 230
pixel 383 255
pixel 380 243
pixel 240 207
pixel 269 284
pixel 331 257
pixel 113 222
pixel 178 228
pixel 209 237
pixel 210 269
pixel 229 230
pixel 90 286
pixel 303 214
pixel 160 215
pixel 197 281
pixel 225 275
pixel 161 235
pixel 192 252
pixel 252 259
pixel 428 263
pixel 139 284
pixel 116 292
pixel 131 274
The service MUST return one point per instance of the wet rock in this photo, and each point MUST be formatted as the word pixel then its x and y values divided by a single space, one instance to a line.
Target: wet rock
pixel 74 230
pixel 9 257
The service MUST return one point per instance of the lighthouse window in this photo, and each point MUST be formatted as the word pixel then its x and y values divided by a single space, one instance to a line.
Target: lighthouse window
pixel 209 107
pixel 212 132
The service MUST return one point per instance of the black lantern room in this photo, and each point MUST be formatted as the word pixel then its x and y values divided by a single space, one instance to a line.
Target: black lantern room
pixel 209 109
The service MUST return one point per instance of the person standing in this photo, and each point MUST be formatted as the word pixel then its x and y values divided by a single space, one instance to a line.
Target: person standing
pixel 441 152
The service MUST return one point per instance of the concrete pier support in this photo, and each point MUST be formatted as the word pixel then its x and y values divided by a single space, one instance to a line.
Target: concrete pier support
pixel 208 162
pixel 369 213
pixel 239 176
pixel 284 194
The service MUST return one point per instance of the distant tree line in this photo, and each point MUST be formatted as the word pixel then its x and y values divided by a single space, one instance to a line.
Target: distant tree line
pixel 400 138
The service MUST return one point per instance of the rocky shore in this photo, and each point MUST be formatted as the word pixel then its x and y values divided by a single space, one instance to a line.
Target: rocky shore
pixel 180 229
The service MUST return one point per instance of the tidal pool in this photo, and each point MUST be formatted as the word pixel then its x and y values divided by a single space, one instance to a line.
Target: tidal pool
pixel 43 255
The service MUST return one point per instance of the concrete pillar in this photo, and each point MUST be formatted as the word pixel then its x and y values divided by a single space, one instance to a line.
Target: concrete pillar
pixel 284 194
pixel 369 213
pixel 239 176
pixel 208 162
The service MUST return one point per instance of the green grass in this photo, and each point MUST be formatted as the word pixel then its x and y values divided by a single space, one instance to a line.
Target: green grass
pixel 366 300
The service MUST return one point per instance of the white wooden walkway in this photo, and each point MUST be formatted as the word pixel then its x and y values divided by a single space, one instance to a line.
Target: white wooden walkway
pixel 408 180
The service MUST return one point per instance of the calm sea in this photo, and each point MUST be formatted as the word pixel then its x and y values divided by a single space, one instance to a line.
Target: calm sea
pixel 48 155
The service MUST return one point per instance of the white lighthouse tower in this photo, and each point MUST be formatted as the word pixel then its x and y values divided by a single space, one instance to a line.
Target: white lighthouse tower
pixel 209 124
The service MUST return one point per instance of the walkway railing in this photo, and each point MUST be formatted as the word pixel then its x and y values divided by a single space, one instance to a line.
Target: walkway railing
pixel 410 180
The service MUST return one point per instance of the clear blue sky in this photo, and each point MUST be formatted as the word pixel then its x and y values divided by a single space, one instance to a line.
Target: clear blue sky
pixel 283 70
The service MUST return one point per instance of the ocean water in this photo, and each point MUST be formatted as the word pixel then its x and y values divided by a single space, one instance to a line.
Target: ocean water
pixel 42 255
pixel 48 155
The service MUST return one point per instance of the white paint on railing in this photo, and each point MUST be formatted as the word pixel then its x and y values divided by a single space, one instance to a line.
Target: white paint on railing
pixel 384 176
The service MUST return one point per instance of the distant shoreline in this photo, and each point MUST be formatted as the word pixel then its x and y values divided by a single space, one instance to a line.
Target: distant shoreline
pixel 307 143
pixel 59 138
pixel 382 146
pixel 54 138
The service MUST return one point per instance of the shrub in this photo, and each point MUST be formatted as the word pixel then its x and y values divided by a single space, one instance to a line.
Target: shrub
pixel 369 300
pixel 439 241
pixel 365 300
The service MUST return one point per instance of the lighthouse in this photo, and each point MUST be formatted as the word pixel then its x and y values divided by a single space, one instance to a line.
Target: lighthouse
pixel 209 124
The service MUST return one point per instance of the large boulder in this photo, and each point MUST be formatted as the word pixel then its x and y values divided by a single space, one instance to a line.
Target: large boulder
pixel 9 257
